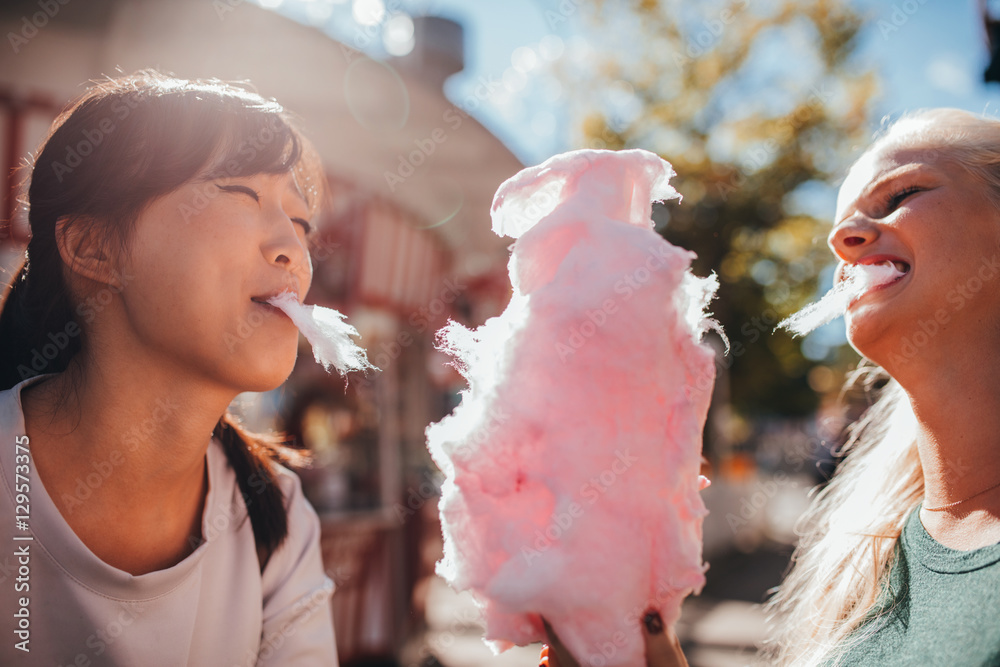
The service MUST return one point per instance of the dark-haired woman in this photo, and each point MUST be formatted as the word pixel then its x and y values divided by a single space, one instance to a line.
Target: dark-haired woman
pixel 144 526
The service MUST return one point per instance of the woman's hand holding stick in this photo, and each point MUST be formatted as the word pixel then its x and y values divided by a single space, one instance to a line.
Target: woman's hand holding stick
pixel 663 648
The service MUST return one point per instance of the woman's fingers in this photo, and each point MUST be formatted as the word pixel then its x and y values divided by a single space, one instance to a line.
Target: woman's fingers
pixel 556 653
pixel 663 648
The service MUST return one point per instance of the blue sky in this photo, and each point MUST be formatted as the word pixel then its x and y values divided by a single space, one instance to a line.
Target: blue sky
pixel 926 52
pixel 935 58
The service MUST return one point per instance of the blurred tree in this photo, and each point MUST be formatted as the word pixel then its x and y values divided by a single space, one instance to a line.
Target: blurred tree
pixel 760 108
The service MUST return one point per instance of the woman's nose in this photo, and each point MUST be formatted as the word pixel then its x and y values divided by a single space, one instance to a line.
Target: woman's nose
pixel 852 237
pixel 287 250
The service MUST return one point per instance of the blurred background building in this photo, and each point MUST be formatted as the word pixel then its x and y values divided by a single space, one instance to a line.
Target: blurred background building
pixel 419 110
pixel 405 244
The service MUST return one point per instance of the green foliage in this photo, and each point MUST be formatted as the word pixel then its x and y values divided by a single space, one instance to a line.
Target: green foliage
pixel 749 101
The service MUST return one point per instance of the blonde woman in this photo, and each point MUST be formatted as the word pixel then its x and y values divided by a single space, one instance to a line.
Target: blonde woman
pixel 900 560
pixel 899 563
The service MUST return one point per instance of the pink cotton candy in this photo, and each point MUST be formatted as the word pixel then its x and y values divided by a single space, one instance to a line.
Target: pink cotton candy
pixel 326 331
pixel 572 462
pixel 858 279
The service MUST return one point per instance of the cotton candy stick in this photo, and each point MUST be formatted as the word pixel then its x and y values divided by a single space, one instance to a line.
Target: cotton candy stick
pixel 326 331
pixel 858 279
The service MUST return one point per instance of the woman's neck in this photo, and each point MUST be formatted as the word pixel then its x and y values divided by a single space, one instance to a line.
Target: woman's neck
pixel 958 439
pixel 144 430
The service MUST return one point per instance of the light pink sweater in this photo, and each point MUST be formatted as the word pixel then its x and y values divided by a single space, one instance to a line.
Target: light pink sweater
pixel 214 608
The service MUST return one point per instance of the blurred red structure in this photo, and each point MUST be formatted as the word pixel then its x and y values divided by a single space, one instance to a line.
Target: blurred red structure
pixel 404 244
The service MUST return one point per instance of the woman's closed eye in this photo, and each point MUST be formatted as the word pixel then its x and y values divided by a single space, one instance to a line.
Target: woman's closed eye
pixel 893 201
pixel 256 197
pixel 241 188
pixel 305 225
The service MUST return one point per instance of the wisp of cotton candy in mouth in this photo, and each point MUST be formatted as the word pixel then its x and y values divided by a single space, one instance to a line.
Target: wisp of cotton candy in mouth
pixel 857 279
pixel 326 331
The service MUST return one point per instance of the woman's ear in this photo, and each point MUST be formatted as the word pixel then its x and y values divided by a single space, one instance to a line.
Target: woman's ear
pixel 85 252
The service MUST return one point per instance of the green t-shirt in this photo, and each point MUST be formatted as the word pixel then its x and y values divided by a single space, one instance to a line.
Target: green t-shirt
pixel 942 607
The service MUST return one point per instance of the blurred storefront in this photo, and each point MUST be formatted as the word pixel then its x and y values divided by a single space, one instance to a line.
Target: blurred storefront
pixel 405 244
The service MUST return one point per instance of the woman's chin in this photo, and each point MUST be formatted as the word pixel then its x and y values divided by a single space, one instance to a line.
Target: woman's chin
pixel 865 334
pixel 269 373
pixel 262 382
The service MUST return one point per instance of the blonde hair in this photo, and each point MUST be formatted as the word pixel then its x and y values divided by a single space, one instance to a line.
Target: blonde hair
pixel 849 535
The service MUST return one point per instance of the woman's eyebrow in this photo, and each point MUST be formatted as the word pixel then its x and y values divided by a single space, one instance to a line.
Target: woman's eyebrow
pixel 879 183
pixel 904 170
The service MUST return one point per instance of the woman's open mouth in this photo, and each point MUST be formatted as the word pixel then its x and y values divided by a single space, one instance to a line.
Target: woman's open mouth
pixel 875 272
pixel 870 276
pixel 898 264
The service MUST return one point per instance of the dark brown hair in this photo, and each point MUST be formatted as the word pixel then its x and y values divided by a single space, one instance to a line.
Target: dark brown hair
pixel 109 154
